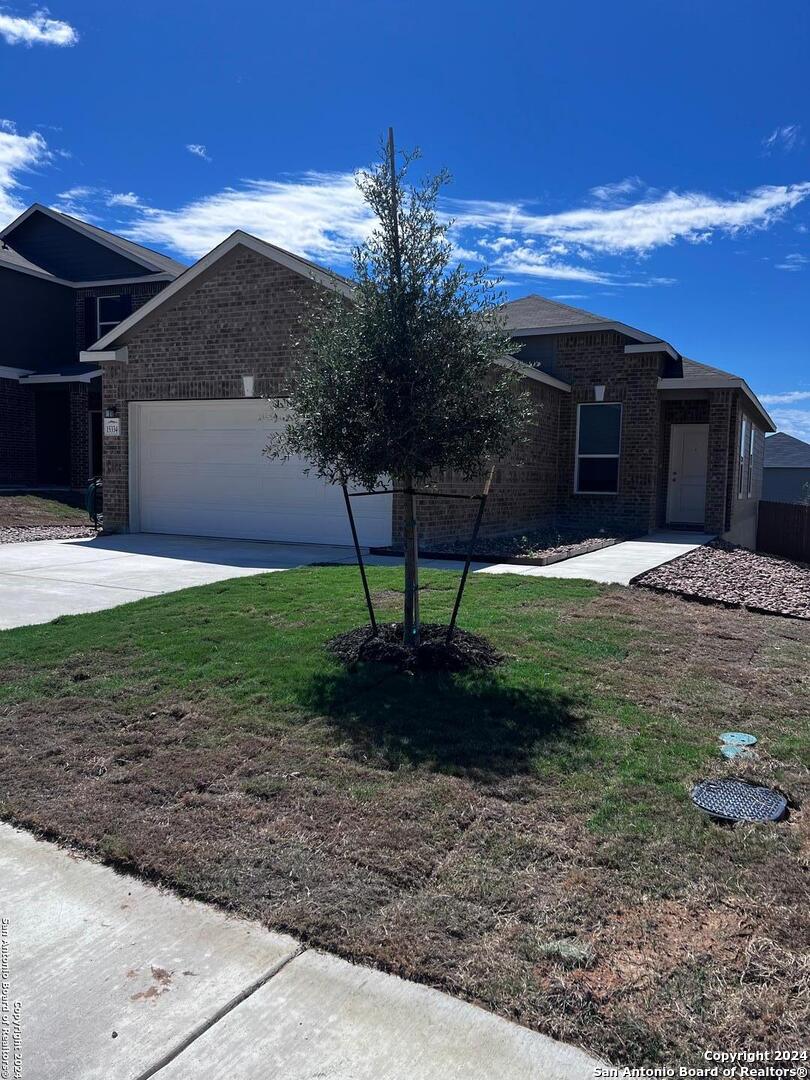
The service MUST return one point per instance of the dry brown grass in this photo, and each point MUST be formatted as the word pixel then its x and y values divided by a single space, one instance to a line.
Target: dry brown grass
pixel 523 839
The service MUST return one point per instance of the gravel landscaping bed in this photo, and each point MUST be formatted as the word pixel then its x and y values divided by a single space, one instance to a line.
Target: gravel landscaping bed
pixel 725 574
pixel 21 534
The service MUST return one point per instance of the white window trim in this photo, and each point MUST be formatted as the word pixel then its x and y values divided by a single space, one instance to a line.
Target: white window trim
pixel 745 452
pixel 751 440
pixel 109 326
pixel 617 456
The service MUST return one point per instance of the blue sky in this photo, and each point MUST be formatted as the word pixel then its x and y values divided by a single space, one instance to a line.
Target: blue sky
pixel 645 160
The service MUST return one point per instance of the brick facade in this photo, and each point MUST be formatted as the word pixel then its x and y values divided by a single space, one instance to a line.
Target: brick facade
pixel 18 461
pixel 238 319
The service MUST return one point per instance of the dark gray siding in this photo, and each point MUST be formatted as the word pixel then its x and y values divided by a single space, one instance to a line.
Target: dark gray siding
pixel 786 485
pixel 36 322
pixel 67 254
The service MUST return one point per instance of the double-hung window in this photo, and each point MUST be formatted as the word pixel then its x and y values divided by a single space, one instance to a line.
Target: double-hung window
pixel 108 314
pixel 745 483
pixel 599 434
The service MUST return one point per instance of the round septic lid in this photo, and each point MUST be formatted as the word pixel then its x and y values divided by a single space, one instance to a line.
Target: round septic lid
pixel 738 738
pixel 734 800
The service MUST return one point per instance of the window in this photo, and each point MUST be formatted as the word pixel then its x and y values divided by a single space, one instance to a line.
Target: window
pixel 108 316
pixel 599 428
pixel 751 434
pixel 745 482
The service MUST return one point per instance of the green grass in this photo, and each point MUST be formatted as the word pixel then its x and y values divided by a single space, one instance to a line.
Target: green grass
pixel 456 828
pixel 24 511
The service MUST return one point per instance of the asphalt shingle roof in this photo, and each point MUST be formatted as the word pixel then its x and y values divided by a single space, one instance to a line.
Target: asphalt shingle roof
pixel 784 451
pixel 692 369
pixel 535 311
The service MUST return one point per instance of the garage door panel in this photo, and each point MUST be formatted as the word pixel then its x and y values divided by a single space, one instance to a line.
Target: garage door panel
pixel 201 470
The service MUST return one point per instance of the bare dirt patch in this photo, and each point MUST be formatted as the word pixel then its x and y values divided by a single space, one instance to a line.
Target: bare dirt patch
pixel 434 653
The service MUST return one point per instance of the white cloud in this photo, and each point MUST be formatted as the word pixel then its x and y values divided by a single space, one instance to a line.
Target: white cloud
pixel 793 421
pixel 570 296
pixel 36 29
pixel 123 198
pixel 610 192
pixel 199 150
pixel 320 215
pixel 785 399
pixel 794 261
pixel 18 154
pixel 642 226
pixel 787 137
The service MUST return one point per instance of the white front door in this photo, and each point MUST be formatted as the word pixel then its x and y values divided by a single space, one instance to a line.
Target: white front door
pixel 688 466
pixel 198 467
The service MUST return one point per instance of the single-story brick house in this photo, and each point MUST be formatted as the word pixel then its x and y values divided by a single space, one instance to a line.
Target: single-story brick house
pixel 63 284
pixel 786 474
pixel 627 433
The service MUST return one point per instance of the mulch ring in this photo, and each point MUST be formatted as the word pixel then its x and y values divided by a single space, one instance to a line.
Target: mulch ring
pixel 21 534
pixel 724 574
pixel 464 651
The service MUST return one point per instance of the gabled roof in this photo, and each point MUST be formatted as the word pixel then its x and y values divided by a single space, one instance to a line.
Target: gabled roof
pixel 783 451
pixel 11 259
pixel 693 369
pixel 152 261
pixel 533 311
pixel 296 263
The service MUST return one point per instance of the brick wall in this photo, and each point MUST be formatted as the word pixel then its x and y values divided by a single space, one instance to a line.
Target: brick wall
pixel 237 321
pixel 140 292
pixel 78 395
pixel 524 486
pixel 598 359
pixel 17 433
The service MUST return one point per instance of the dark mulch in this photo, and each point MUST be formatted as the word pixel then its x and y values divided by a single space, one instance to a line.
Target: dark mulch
pixel 464 651
pixel 725 574
pixel 541 545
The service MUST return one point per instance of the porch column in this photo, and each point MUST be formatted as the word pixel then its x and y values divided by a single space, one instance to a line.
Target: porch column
pixel 79 435
pixel 721 459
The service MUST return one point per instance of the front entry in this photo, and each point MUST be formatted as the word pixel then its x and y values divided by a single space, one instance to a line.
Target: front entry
pixel 688 466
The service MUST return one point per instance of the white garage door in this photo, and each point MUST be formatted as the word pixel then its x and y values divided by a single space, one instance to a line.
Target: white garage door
pixel 198 468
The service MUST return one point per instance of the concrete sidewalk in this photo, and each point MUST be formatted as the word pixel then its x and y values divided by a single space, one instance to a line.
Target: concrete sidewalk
pixel 119 980
pixel 616 565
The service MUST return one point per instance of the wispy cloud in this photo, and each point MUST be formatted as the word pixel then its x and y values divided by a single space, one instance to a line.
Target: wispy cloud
pixel 612 192
pixel 640 227
pixel 18 154
pixel 788 398
pixel 570 296
pixel 793 421
pixel 36 29
pixel 794 261
pixel 198 150
pixel 320 215
pixel 788 137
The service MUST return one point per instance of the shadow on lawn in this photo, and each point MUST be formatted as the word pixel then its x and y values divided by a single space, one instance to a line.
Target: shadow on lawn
pixel 471 724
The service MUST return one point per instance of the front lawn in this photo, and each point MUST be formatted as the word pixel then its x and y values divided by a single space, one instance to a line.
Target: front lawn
pixel 522 838
pixel 24 511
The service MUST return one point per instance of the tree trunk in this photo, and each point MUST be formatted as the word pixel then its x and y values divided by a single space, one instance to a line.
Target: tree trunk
pixel 411 613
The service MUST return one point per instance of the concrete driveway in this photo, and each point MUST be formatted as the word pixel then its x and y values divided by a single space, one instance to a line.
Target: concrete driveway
pixel 119 980
pixel 46 578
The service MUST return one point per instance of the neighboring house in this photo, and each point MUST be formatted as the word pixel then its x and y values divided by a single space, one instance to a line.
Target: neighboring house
pixel 786 476
pixel 63 284
pixel 628 435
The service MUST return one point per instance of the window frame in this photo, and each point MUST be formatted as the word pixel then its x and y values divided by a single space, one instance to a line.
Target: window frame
pixel 107 324
pixel 604 457
pixel 751 437
pixel 745 452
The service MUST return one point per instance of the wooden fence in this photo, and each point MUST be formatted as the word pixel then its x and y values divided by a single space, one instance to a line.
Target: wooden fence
pixel 784 529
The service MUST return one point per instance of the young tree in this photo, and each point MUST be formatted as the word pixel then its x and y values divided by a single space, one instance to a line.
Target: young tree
pixel 400 380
